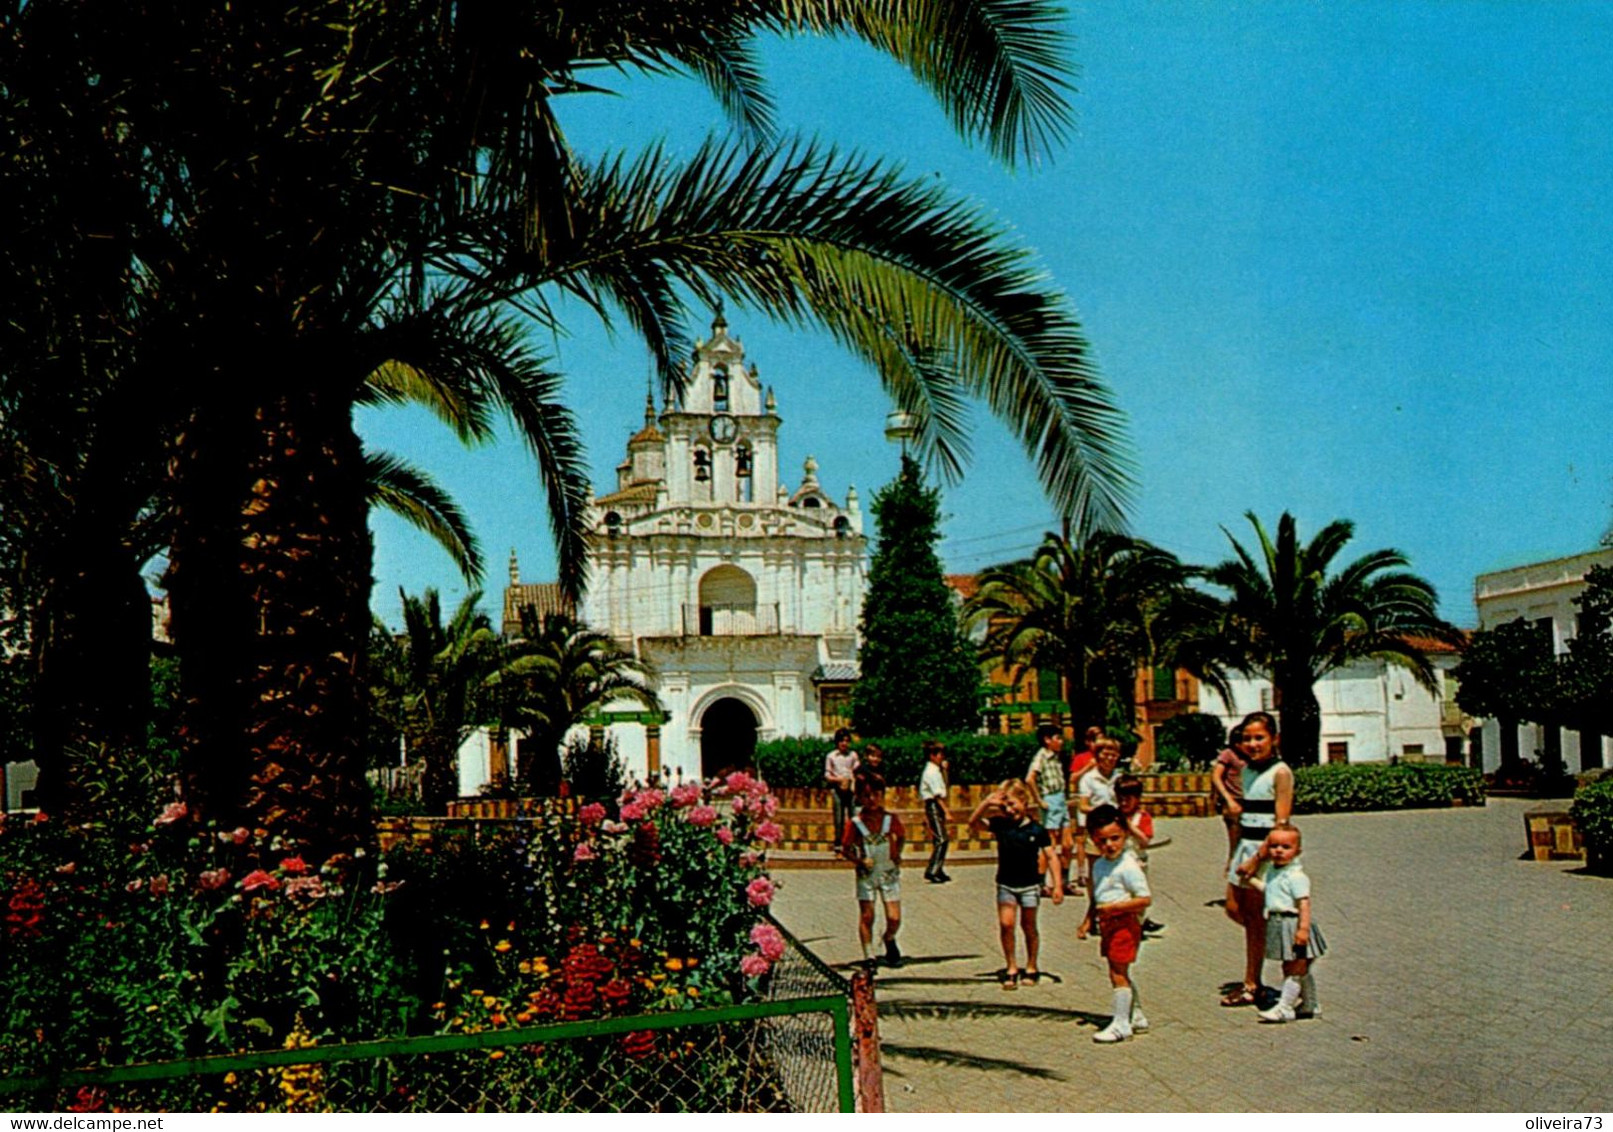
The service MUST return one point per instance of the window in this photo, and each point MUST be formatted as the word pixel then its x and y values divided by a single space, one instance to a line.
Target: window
pixel 1164 684
pixel 1412 752
pixel 719 390
pixel 1267 701
pixel 702 465
pixel 1047 685
pixel 812 501
pixel 742 471
pixel 1338 751
pixel 613 524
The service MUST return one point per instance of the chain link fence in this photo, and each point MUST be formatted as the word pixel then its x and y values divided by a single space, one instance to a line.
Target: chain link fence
pixel 790 1052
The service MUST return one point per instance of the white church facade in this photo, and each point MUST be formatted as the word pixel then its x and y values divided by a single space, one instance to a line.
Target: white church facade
pixel 742 592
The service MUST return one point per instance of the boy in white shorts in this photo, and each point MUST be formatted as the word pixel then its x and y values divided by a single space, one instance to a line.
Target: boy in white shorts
pixel 873 840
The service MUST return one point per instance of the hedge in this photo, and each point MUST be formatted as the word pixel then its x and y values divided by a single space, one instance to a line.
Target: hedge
pixel 1592 812
pixel 972 758
pixel 1345 787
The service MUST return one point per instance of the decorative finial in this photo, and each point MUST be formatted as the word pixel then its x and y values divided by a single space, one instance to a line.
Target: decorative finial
pixel 719 323
pixel 810 468
pixel 772 403
pixel 649 410
pixel 515 569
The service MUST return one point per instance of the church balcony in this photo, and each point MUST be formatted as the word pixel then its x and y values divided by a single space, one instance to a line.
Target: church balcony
pixel 723 620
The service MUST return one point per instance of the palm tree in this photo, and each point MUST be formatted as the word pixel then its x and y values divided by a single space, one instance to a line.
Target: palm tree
pixel 1289 619
pixel 438 682
pixel 572 672
pixel 1092 611
pixel 321 194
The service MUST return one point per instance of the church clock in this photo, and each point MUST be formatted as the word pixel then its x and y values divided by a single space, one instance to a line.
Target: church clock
pixel 723 428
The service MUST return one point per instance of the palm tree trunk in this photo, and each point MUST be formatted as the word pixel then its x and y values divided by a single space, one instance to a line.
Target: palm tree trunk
pixel 270 580
pixel 439 783
pixel 1300 717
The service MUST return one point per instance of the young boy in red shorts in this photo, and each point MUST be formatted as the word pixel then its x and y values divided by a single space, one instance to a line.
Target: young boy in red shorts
pixel 1120 895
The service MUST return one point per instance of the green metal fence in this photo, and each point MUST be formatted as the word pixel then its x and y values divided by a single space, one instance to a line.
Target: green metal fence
pixel 791 1052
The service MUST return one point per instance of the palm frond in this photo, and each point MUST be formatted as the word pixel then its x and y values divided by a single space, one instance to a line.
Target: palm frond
pixel 416 498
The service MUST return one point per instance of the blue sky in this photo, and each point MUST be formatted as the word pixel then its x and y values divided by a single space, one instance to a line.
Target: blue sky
pixel 1348 260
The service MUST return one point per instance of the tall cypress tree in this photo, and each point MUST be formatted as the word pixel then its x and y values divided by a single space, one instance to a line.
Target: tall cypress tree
pixel 919 672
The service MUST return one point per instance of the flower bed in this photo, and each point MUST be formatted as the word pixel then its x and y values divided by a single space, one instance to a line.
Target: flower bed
pixel 1592 811
pixel 174 941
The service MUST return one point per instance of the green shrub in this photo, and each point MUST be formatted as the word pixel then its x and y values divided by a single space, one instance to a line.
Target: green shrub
pixel 1343 787
pixel 1188 741
pixel 973 758
pixel 1592 812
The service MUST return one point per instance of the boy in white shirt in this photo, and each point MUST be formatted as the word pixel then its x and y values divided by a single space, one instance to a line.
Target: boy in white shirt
pixel 1097 786
pixel 933 793
pixel 1120 896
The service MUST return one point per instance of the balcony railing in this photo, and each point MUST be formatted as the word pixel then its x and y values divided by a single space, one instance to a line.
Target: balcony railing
pixel 726 620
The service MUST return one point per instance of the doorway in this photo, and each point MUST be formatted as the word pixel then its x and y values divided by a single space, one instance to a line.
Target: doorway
pixel 727 737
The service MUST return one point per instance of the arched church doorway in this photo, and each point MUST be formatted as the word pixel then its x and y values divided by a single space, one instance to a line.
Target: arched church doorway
pixel 727 737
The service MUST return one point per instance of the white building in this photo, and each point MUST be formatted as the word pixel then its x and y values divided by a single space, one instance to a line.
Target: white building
pixel 1543 594
pixel 1372 711
pixel 742 593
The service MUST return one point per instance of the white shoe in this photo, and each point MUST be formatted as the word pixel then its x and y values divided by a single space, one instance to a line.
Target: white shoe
pixel 1278 1013
pixel 1111 1033
pixel 1139 1022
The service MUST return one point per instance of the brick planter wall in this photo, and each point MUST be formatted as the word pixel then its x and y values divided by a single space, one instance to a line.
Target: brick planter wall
pixel 807 815
pixel 1552 836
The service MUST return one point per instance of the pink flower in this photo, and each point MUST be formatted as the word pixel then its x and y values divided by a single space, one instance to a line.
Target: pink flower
pixel 650 799
pixel 296 866
pixel 759 892
pixel 212 879
pixel 257 879
pixel 725 835
pixel 754 966
pixel 766 805
pixel 613 826
pixel 769 940
pixel 702 815
pixel 311 888
pixel 585 852
pixel 632 812
pixel 757 788
pixel 738 782
pixel 740 804
pixel 172 812
pixel 159 885
pixel 592 814
pixel 769 832
pixel 686 795
pixel 749 858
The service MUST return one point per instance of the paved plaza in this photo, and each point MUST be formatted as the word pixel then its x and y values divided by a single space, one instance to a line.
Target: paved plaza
pixel 1459 977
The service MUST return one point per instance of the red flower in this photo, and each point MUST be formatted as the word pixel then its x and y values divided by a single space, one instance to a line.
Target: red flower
pixel 257 879
pixel 88 1100
pixel 616 993
pixel 639 1044
pixel 592 814
pixel 296 866
pixel 212 879
pixel 159 885
pixel 760 892
pixel 24 911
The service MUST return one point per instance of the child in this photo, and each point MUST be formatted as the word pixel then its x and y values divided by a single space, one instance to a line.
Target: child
pixel 1081 763
pixel 1291 936
pixel 1096 789
pixel 1268 800
pixel 933 793
pixel 1119 897
pixel 1139 827
pixel 1046 778
pixel 873 839
pixel 1024 852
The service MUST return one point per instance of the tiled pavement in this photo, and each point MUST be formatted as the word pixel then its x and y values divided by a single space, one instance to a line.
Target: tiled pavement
pixel 1459 978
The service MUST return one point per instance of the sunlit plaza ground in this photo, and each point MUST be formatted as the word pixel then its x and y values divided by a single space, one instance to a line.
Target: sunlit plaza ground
pixel 1459 978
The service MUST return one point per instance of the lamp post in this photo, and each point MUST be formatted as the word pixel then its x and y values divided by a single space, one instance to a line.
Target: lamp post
pixel 900 426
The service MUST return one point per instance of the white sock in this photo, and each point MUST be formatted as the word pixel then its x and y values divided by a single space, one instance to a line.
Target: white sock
pixel 1137 1016
pixel 1307 992
pixel 1122 1018
pixel 1291 992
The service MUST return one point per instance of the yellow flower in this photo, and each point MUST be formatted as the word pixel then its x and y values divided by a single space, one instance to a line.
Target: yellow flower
pixel 693 962
pixel 439 1006
pixel 230 1078
pixel 669 990
pixel 483 925
pixel 501 946
pixel 525 966
pixel 152 1009
pixel 674 964
pixel 494 1055
pixel 694 992
pixel 488 1001
pixel 635 943
pixel 478 993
